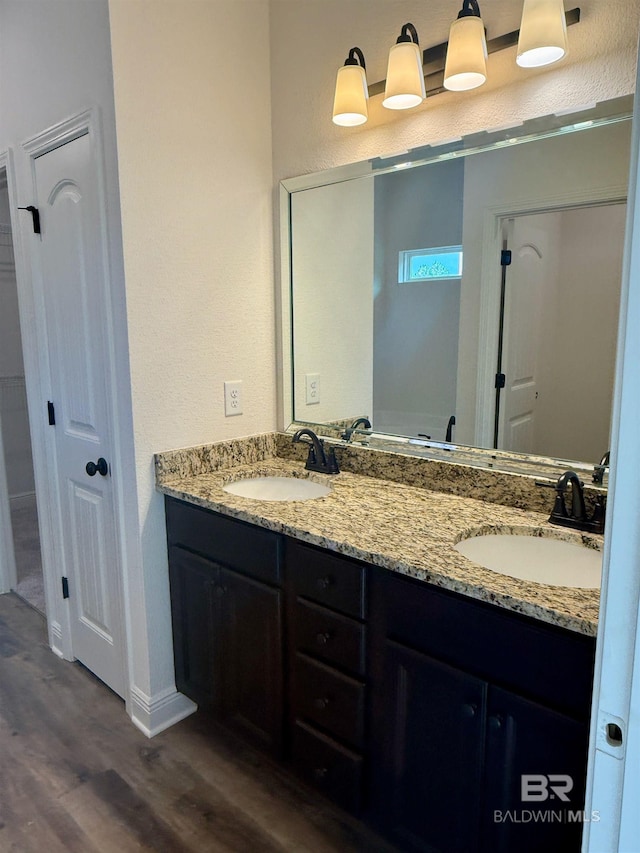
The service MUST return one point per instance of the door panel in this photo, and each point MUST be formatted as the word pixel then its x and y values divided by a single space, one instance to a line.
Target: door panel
pixel 75 289
pixel 529 268
pixel 427 772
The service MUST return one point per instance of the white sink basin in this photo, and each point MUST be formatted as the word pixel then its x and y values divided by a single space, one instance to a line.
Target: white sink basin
pixel 535 558
pixel 277 489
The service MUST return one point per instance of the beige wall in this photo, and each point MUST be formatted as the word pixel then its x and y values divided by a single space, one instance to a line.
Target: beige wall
pixel 311 39
pixel 192 106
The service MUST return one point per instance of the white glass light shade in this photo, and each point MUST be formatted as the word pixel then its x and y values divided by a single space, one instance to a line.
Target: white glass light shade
pixel 350 101
pixel 466 65
pixel 543 33
pixel 405 78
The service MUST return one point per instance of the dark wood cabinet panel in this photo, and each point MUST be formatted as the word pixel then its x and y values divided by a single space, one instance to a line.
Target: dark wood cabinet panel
pixel 192 582
pixel 428 752
pixel 524 737
pixel 331 637
pixel 328 766
pixel 235 544
pixel 251 652
pixel 538 660
pixel 321 576
pixel 227 626
pixel 330 700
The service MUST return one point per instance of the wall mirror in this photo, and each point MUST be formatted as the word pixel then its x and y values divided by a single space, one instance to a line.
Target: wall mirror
pixel 465 297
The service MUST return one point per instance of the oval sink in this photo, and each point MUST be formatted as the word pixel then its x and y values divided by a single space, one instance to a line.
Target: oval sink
pixel 535 558
pixel 277 489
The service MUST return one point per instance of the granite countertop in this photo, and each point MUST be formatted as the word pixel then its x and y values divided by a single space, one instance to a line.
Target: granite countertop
pixel 403 528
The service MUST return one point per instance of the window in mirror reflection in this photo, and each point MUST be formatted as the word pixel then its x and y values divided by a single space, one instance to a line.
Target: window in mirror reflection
pixel 430 264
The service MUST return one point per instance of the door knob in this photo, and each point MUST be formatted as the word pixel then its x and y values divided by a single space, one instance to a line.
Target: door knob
pixel 99 467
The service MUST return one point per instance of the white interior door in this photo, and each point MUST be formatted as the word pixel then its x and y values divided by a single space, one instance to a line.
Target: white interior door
pixel 523 300
pixel 75 295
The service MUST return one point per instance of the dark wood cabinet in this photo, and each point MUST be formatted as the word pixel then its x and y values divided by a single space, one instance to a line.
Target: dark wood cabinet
pixel 227 625
pixel 428 752
pixel 418 709
pixel 450 745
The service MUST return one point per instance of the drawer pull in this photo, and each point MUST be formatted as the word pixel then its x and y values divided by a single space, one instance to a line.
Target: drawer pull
pixel 220 590
pixel 324 582
pixel 321 703
pixel 469 710
pixel 320 773
pixel 323 638
pixel 495 722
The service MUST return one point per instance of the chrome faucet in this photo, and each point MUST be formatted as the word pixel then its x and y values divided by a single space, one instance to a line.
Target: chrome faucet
pixel 347 435
pixel 578 518
pixel 317 460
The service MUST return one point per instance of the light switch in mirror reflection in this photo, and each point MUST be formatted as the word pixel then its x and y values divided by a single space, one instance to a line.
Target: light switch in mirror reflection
pixel 411 355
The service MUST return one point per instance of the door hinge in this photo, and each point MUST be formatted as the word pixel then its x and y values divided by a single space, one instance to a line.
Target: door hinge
pixel 35 215
pixel 51 411
pixel 501 380
pixel 505 258
pixel 65 588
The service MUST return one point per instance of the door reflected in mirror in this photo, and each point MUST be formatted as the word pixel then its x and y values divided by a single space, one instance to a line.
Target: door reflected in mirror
pixel 403 309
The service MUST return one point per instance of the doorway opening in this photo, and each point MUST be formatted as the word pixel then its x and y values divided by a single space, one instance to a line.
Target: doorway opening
pixel 559 325
pixel 17 459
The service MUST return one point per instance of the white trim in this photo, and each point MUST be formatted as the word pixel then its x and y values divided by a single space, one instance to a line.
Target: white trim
pixel 493 218
pixel 285 368
pixel 154 714
pixel 8 571
pixel 613 779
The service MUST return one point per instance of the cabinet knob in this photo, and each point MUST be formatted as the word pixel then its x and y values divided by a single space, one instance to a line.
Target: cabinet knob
pixel 221 589
pixel 323 638
pixel 469 709
pixel 321 703
pixel 325 582
pixel 320 773
pixel 496 722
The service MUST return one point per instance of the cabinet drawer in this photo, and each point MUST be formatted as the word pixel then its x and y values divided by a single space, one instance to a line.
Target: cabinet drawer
pixel 240 546
pixel 337 582
pixel 329 636
pixel 326 765
pixel 329 699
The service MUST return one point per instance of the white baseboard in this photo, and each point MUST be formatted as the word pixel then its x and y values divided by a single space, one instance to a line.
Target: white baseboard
pixel 154 715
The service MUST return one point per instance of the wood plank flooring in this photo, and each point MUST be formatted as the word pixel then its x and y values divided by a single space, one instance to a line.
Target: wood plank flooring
pixel 77 777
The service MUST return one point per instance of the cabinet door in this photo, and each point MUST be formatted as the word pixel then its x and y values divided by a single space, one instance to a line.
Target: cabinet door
pixel 429 745
pixel 193 581
pixel 527 738
pixel 251 658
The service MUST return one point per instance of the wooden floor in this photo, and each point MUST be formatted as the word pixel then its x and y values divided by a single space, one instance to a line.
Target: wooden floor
pixel 77 777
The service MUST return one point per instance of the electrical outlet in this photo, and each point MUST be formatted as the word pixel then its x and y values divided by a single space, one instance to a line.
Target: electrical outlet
pixel 233 398
pixel 312 384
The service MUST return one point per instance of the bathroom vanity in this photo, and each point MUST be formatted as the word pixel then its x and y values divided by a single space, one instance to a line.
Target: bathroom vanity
pixel 409 686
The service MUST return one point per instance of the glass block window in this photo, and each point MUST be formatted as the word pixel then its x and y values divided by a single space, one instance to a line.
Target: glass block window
pixel 430 264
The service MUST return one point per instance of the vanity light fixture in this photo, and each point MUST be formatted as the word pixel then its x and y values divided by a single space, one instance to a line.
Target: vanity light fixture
pixel 466 64
pixel 543 33
pixel 457 65
pixel 350 101
pixel 405 78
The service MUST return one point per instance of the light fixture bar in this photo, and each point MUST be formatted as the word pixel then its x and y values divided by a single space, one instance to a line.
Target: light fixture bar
pixel 433 58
